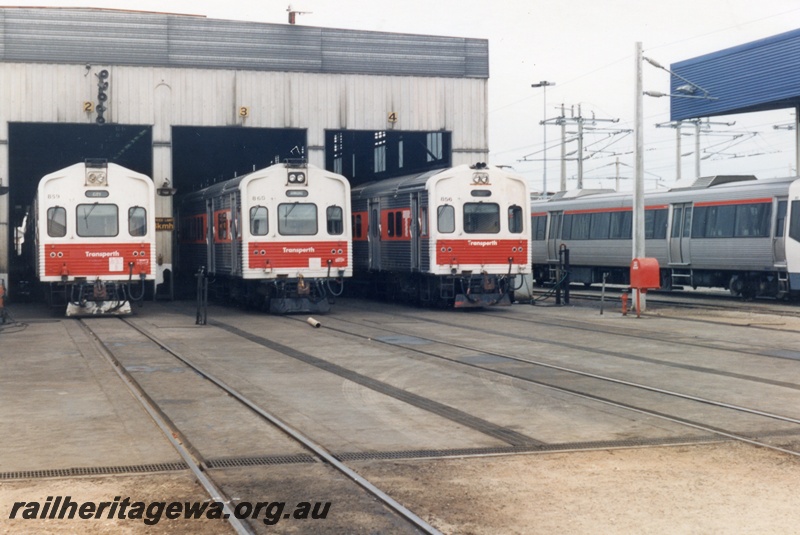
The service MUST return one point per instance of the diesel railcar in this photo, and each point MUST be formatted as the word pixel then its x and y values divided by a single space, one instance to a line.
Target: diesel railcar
pixel 454 237
pixel 93 227
pixel 732 232
pixel 276 238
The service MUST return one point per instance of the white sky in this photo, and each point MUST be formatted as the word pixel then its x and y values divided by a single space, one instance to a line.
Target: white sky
pixel 587 48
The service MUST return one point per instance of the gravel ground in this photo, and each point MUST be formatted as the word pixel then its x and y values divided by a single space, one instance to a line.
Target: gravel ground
pixel 700 489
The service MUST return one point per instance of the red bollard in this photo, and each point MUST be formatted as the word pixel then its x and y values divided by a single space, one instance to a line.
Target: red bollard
pixel 624 298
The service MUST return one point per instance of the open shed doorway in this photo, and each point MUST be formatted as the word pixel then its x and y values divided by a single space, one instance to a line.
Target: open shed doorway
pixel 36 149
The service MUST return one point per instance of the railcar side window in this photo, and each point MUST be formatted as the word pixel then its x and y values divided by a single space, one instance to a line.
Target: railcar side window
pixel 356 218
pixel 752 220
pixel 97 220
pixel 57 222
pixel 259 224
pixel 335 218
pixel 655 224
pixel 794 221
pixel 600 224
pixel 481 218
pixel 446 220
pixel 137 221
pixel 394 224
pixel 621 224
pixel 297 219
pixel 539 227
pixel 728 221
pixel 579 226
pixel 515 219
pixel 566 228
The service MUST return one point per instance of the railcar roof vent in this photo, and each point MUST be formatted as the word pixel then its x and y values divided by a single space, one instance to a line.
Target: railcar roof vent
pixel 710 181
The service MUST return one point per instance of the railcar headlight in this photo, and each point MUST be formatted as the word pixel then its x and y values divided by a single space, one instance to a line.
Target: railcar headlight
pixel 297 177
pixel 480 178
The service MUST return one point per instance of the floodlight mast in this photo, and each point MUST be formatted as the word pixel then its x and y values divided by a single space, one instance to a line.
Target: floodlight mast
pixel 543 84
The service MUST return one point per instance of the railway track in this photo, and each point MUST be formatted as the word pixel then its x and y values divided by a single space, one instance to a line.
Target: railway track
pixel 527 369
pixel 698 300
pixel 193 456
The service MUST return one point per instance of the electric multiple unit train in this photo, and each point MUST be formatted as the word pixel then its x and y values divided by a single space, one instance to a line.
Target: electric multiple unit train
pixel 453 237
pixel 93 227
pixel 277 238
pixel 732 232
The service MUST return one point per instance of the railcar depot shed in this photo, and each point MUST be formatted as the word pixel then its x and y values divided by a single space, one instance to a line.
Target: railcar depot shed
pixel 190 100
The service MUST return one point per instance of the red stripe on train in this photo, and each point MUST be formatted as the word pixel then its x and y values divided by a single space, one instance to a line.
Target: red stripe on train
pixel 97 259
pixel 296 255
pixel 481 251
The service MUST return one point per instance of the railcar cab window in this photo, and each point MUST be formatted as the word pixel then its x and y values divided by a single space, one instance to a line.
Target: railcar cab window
pixel 97 220
pixel 335 218
pixel 515 219
pixel 57 222
pixel 297 219
pixel 137 221
pixel 258 221
pixel 481 218
pixel 446 219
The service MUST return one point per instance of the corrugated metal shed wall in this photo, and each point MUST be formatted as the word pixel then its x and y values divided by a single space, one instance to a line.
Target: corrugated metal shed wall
pixel 760 75
pixel 128 38
pixel 212 97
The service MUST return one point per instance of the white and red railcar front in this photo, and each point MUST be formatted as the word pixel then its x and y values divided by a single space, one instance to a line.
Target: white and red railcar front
pixel 95 237
pixel 279 236
pixel 457 236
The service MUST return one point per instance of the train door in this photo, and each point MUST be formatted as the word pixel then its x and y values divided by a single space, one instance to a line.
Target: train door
pixel 553 235
pixel 680 234
pixel 778 236
pixel 374 229
pixel 415 234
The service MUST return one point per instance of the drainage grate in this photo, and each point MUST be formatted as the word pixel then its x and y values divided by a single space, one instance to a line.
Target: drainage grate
pixel 260 461
pixel 94 471
pixel 506 450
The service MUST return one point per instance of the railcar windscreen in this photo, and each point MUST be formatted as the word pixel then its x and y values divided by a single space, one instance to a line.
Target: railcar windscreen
pixel 97 220
pixel 481 218
pixel 297 219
